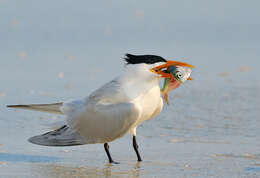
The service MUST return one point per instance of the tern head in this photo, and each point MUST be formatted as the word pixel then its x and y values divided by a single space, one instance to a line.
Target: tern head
pixel 174 72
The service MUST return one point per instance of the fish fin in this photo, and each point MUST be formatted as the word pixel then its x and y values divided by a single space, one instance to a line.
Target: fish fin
pixel 165 97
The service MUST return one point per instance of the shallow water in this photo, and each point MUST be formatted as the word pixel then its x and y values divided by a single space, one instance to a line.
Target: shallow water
pixel 210 128
pixel 202 133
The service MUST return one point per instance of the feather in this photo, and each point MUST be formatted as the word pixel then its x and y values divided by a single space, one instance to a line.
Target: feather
pixel 63 136
pixel 147 59
pixel 50 108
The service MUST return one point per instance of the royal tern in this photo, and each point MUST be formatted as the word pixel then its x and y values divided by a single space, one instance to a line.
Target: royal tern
pixel 116 108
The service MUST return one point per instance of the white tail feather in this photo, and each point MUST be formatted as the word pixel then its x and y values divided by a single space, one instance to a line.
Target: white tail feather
pixel 50 108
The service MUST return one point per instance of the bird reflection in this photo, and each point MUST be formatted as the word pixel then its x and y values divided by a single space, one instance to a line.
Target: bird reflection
pixel 109 170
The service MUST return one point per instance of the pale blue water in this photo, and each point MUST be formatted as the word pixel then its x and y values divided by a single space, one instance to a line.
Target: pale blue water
pixel 54 51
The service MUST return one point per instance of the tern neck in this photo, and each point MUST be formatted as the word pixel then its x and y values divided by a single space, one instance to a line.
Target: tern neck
pixel 138 80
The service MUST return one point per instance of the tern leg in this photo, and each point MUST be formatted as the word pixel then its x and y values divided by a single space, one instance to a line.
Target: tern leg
pixel 106 146
pixel 136 149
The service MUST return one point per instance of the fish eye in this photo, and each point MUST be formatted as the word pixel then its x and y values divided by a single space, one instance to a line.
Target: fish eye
pixel 178 75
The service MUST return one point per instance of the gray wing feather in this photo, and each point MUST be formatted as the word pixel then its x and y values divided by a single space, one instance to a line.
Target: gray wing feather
pixel 60 137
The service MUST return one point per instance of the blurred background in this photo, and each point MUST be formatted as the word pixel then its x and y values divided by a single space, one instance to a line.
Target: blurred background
pixel 81 44
pixel 52 51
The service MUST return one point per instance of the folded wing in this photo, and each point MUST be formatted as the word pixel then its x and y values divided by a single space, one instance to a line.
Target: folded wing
pixel 100 123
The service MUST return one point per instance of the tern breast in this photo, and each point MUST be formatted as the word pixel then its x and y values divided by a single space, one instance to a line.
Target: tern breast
pixel 151 104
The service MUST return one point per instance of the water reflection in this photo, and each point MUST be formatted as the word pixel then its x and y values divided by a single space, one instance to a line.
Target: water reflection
pixel 109 170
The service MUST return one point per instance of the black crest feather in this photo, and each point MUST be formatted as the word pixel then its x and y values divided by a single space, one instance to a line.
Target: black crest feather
pixel 147 59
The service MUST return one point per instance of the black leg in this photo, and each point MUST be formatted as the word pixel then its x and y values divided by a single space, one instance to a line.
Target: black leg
pixel 106 146
pixel 136 149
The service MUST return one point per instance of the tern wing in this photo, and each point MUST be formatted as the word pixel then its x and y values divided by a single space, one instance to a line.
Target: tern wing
pixel 95 124
pixel 103 123
pixel 105 115
pixel 50 108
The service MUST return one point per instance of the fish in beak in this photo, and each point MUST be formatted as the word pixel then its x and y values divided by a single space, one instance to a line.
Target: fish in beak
pixel 169 85
pixel 175 73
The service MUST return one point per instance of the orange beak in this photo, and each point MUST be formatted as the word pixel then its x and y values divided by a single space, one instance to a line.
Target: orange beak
pixel 158 69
